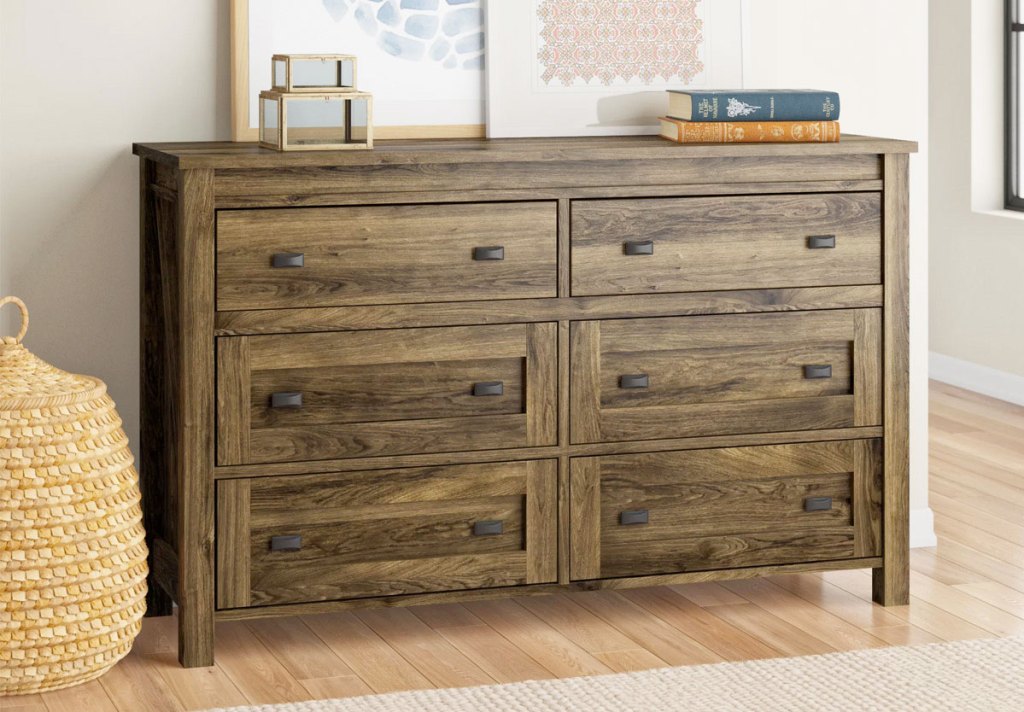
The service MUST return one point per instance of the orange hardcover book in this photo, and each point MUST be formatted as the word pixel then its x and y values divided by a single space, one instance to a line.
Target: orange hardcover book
pixel 750 131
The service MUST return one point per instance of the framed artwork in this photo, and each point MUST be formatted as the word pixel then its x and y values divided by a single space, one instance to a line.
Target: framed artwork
pixel 423 60
pixel 594 67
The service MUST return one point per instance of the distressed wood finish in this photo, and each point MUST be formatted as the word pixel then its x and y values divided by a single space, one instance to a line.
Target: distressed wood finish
pixel 390 323
pixel 569 173
pixel 729 242
pixel 722 374
pixel 234 557
pixel 721 509
pixel 224 155
pixel 387 316
pixel 394 532
pixel 892 580
pixel 194 400
pixel 385 254
pixel 379 393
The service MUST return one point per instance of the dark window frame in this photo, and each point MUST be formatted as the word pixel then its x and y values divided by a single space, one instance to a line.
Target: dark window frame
pixel 1014 33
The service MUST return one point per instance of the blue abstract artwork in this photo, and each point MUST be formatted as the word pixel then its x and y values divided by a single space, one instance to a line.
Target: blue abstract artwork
pixel 448 32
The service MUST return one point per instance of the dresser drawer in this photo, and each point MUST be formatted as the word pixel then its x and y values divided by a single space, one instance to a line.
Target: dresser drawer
pixel 721 243
pixel 394 254
pixel 300 397
pixel 388 532
pixel 672 512
pixel 643 379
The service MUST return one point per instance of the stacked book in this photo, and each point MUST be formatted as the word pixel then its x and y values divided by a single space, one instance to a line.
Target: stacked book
pixel 765 116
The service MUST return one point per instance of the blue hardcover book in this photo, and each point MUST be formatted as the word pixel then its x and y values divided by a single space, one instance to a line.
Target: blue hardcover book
pixel 755 105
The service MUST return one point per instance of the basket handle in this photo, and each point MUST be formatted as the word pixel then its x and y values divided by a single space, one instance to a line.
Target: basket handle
pixel 24 319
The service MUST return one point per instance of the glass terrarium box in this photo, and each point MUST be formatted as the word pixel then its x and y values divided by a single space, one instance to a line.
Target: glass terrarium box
pixel 313 72
pixel 316 122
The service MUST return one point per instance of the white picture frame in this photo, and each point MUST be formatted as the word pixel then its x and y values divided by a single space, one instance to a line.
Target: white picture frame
pixel 524 100
pixel 413 98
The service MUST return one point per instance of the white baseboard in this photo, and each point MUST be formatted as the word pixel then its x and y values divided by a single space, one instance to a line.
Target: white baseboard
pixel 922 528
pixel 974 377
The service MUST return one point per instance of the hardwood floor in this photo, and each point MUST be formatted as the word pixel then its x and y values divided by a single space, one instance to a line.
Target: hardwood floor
pixel 970 586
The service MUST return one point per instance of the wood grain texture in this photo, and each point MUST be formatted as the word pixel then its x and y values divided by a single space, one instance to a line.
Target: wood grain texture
pixel 242 202
pixel 729 242
pixel 585 518
pixel 722 374
pixel 565 174
pixel 891 582
pixel 867 367
pixel 234 414
pixel 437 659
pixel 234 558
pixel 389 392
pixel 583 450
pixel 385 255
pixel 487 594
pixel 542 521
pixel 711 509
pixel 224 154
pixel 564 246
pixel 542 384
pixel 279 321
pixel 390 325
pixel 391 532
pixel 196 388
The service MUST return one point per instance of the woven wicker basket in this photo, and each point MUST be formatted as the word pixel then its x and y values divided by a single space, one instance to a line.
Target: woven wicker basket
pixel 72 551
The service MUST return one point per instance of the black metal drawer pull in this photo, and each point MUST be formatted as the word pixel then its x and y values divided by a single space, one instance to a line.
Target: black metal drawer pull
pixel 286 543
pixel 637 380
pixel 489 388
pixel 821 242
pixel 484 254
pixel 639 247
pixel 634 516
pixel 818 371
pixel 488 528
pixel 288 399
pixel 285 260
pixel 817 504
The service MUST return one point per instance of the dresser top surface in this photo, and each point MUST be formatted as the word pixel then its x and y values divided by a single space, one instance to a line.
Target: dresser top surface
pixel 226 155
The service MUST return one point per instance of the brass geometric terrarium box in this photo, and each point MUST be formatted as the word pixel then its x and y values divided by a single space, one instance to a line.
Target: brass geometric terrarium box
pixel 313 72
pixel 316 121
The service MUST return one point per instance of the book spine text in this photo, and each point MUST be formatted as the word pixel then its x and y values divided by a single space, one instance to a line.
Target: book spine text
pixel 758 106
pixel 760 132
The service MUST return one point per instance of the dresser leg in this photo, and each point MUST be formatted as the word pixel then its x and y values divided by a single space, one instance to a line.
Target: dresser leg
pixel 194 411
pixel 890 585
pixel 195 634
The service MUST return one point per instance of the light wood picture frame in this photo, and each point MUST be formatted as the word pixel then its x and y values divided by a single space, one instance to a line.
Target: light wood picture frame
pixel 244 127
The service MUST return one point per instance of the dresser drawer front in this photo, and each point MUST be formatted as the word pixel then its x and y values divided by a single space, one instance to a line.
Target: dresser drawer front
pixel 698 510
pixel 301 397
pixel 729 242
pixel 643 379
pixel 391 254
pixel 382 533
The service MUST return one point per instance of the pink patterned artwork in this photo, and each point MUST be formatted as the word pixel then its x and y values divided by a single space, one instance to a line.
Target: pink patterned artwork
pixel 619 42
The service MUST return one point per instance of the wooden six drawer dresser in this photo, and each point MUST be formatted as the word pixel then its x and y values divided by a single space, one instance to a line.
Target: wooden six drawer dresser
pixel 451 369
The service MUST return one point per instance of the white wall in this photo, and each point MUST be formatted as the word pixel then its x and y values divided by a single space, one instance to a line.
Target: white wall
pixel 977 258
pixel 81 80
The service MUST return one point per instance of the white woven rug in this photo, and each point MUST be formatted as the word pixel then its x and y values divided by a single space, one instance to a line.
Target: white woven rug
pixel 970 675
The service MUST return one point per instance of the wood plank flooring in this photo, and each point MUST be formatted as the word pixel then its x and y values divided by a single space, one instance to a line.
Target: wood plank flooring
pixel 970 586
